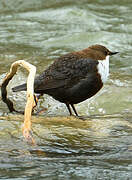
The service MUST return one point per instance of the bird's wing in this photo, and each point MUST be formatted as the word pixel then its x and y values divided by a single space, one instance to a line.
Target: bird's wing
pixel 66 72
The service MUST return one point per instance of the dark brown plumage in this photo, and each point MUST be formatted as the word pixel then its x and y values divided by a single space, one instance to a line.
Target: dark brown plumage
pixel 72 78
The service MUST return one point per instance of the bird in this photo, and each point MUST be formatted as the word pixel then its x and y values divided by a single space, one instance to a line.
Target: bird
pixel 74 77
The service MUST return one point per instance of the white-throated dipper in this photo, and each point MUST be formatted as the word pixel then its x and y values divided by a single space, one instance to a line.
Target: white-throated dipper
pixel 74 77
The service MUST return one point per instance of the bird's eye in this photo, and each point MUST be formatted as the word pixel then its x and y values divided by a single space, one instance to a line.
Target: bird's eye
pixel 106 53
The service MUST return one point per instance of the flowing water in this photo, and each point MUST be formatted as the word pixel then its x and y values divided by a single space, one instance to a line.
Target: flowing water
pixel 68 148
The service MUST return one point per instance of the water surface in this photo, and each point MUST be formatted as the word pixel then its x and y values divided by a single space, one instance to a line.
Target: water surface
pixel 68 148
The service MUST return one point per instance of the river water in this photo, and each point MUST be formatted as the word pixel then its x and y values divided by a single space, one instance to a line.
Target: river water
pixel 68 148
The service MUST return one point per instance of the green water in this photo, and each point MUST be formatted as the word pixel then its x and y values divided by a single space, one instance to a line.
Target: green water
pixel 99 148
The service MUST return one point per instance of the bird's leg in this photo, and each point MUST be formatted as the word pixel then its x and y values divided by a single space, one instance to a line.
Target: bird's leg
pixel 74 109
pixel 36 99
pixel 69 109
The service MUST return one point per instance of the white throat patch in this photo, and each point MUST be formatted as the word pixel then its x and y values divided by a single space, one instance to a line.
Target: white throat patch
pixel 103 68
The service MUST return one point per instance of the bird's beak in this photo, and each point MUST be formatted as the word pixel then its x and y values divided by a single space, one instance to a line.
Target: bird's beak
pixel 112 53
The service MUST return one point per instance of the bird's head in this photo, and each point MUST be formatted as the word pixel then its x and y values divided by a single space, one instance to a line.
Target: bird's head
pixel 102 49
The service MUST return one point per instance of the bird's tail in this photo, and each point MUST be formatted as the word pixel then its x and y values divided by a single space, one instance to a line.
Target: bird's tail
pixel 22 87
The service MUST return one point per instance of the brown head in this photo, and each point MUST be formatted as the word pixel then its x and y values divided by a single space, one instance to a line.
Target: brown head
pixel 96 52
pixel 102 49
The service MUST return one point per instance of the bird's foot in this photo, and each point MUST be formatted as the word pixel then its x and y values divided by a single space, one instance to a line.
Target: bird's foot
pixel 79 117
pixel 42 111
pixel 82 118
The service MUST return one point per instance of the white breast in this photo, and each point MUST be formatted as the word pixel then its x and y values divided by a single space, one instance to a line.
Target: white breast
pixel 103 68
